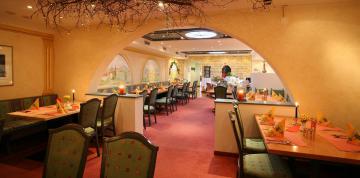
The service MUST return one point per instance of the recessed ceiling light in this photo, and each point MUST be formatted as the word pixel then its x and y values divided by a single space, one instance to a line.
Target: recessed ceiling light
pixel 216 52
pixel 61 17
pixel 201 34
pixel 29 7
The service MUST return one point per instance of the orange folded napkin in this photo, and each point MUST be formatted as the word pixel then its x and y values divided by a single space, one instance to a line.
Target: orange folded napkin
pixel 268 117
pixel 35 105
pixel 278 130
pixel 59 107
pixel 294 128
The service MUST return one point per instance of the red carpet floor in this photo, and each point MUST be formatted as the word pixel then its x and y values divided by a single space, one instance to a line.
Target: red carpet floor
pixel 186 141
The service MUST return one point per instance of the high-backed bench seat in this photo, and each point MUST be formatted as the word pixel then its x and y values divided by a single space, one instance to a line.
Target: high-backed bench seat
pixel 16 128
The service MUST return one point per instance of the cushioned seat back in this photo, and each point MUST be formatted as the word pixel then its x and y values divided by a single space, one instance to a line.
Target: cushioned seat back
pixel 130 155
pixel 170 89
pixel 144 94
pixel 175 92
pixel 239 122
pixel 88 113
pixel 220 92
pixel 153 95
pixel 237 134
pixel 66 152
pixel 27 102
pixel 47 100
pixel 234 92
pixel 5 107
pixel 109 106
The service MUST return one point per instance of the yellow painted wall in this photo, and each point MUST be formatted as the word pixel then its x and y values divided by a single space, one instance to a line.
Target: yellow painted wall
pixel 315 50
pixel 240 65
pixel 28 65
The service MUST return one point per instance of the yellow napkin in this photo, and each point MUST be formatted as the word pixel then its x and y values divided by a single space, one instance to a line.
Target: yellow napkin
pixel 277 130
pixel 273 94
pixel 351 130
pixel 269 116
pixel 35 105
pixel 59 107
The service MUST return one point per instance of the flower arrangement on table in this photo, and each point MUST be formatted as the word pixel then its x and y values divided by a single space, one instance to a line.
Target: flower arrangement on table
pixel 278 130
pixel 323 121
pixel 277 97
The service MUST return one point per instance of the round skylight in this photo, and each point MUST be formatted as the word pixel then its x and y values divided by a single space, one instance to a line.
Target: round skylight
pixel 203 34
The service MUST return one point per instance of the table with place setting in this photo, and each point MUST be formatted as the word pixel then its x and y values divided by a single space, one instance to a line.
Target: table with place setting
pixel 322 143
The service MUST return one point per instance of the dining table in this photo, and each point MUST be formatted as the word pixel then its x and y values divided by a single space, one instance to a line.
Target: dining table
pixel 324 144
pixel 46 113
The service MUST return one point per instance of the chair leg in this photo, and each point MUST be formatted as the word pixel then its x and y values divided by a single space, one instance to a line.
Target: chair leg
pixel 97 145
pixel 114 131
pixel 176 105
pixel 144 123
pixel 167 109
pixel 149 118
pixel 155 116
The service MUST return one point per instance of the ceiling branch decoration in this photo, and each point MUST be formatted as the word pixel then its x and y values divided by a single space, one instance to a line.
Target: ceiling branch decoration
pixel 261 4
pixel 124 15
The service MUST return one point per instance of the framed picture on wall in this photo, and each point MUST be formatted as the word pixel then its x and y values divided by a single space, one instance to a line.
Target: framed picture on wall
pixel 6 65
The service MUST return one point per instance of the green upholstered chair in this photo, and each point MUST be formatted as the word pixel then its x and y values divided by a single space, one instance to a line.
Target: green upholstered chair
pixel 166 101
pixel 173 97
pixel 251 145
pixel 144 96
pixel 220 92
pixel 107 115
pixel 181 96
pixel 129 155
pixel 193 90
pixel 88 119
pixel 150 108
pixel 261 165
pixel 66 152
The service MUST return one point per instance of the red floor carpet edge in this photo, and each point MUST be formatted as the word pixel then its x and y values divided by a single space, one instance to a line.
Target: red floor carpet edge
pixel 186 145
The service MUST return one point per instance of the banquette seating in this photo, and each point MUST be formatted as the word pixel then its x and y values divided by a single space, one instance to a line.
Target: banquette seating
pixel 17 128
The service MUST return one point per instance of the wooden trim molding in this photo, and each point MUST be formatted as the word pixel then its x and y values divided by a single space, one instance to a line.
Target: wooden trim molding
pixel 49 65
pixel 140 51
pixel 26 31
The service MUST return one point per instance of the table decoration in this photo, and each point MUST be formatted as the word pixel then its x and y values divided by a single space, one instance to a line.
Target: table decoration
pixel 67 104
pixel 251 95
pixel 59 106
pixel 265 94
pixel 268 118
pixel 303 119
pixel 241 95
pixel 278 130
pixel 122 90
pixel 35 105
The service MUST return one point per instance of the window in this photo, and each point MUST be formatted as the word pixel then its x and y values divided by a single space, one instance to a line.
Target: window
pixel 207 72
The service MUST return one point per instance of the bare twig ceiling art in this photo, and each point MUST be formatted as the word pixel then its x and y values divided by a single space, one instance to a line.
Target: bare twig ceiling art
pixel 124 15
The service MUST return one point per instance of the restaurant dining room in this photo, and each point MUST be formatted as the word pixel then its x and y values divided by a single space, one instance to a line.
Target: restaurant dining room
pixel 179 88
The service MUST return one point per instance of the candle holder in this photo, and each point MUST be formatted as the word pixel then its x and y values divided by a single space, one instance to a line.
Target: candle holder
pixel 122 90
pixel 241 95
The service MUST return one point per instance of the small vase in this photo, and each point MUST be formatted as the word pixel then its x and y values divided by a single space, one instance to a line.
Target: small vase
pixel 303 126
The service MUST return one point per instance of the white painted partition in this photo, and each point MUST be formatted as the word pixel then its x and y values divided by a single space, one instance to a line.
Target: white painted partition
pixel 128 113
pixel 224 136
